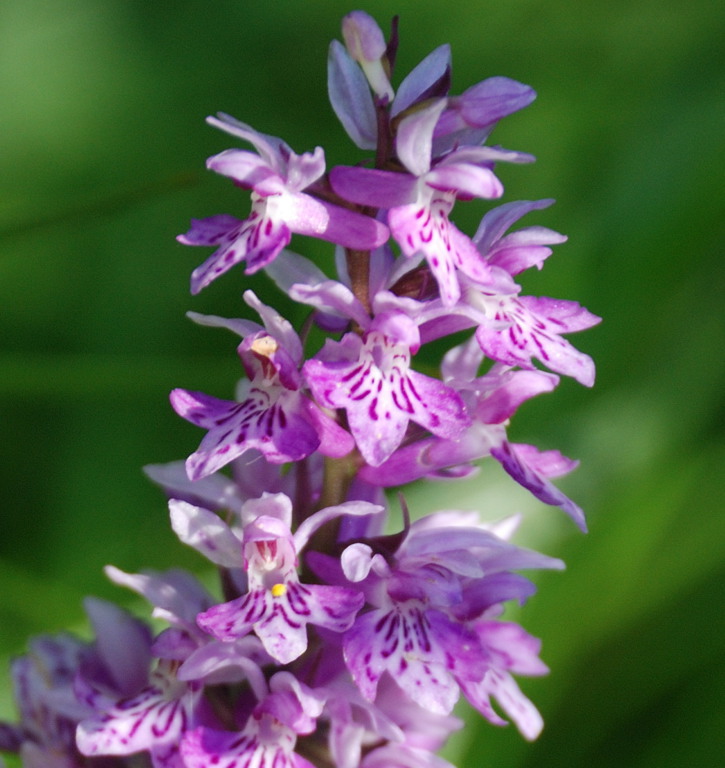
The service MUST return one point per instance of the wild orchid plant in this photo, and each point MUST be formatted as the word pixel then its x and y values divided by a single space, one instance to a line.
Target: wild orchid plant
pixel 335 643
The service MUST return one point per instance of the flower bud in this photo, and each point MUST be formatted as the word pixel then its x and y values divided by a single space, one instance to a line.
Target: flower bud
pixel 366 44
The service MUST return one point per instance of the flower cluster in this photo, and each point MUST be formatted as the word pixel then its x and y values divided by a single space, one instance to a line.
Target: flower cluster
pixel 335 641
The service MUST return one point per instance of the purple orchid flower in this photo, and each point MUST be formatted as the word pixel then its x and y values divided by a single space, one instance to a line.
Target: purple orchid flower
pixel 278 606
pixel 424 598
pixel 277 177
pixel 48 681
pixel 370 377
pixel 272 415
pixel 420 200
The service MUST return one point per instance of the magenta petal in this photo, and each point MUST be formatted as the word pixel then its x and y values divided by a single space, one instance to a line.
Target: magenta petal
pixel 527 474
pixel 368 186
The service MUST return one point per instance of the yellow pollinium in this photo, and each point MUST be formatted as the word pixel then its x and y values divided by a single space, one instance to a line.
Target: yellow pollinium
pixel 265 346
pixel 278 590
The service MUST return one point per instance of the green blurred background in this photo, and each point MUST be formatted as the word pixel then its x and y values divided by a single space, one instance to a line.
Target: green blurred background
pixel 102 149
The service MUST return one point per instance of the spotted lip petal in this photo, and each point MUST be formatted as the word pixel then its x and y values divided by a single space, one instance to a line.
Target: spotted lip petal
pixel 279 617
pixel 533 328
pixel 272 421
pixel 419 648
pixel 153 718
pixel 372 381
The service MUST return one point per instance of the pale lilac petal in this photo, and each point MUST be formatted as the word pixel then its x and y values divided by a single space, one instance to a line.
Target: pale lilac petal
pixel 414 140
pixel 484 104
pixel 486 155
pixel 318 218
pixel 420 649
pixel 123 644
pixel 430 455
pixel 534 325
pixel 238 326
pixel 290 269
pixel 346 509
pixel 466 179
pixel 462 362
pixel 334 298
pixel 273 150
pixel 350 97
pixel 175 594
pixel 247 169
pixel 498 220
pixel 214 492
pixel 511 647
pixel 230 662
pixel 305 169
pixel 434 68
pixel 494 98
pixel 207 533
pixel 504 689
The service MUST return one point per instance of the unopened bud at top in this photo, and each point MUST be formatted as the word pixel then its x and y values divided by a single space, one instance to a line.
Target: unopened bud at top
pixel 366 44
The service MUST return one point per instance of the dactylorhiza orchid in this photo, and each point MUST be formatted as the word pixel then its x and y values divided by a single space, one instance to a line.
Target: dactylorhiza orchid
pixel 338 637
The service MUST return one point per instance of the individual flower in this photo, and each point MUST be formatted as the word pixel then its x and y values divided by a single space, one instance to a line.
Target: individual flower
pixel 272 415
pixel 277 177
pixel 278 607
pixel 366 45
pixel 370 377
pixel 425 599
pixel 420 200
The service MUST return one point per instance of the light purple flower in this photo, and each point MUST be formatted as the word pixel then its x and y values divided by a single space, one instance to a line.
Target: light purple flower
pixel 278 606
pixel 272 415
pixel 371 378
pixel 470 117
pixel 277 177
pixel 420 201
pixel 423 599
